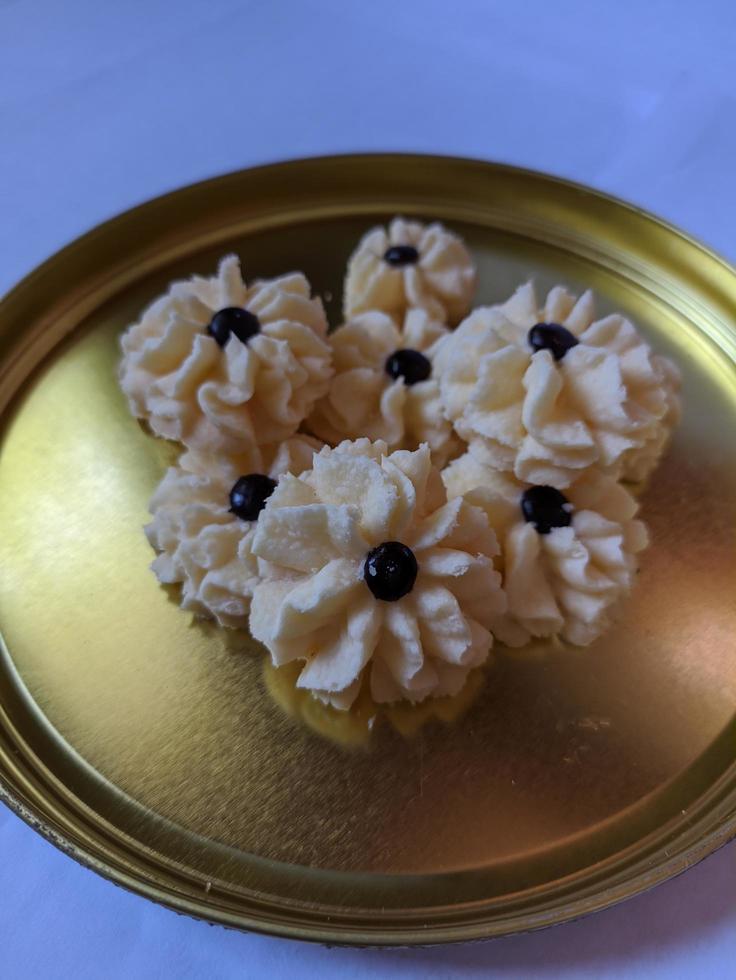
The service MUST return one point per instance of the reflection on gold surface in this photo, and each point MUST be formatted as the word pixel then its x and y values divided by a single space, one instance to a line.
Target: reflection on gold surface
pixel 348 728
pixel 538 651
pixel 163 730
pixel 354 727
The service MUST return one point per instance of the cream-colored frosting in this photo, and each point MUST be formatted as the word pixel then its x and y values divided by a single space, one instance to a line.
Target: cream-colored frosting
pixel 567 582
pixel 200 543
pixel 442 281
pixel 191 390
pixel 364 400
pixel 312 603
pixel 608 402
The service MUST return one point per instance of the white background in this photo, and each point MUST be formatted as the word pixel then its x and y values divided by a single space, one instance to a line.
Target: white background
pixel 103 105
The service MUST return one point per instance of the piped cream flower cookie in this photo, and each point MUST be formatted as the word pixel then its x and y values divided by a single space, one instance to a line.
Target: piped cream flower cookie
pixel 567 558
pixel 205 511
pixel 384 386
pixel 546 393
pixel 220 365
pixel 410 265
pixel 366 567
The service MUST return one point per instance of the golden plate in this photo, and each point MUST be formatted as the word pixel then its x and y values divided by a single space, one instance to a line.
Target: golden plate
pixel 156 751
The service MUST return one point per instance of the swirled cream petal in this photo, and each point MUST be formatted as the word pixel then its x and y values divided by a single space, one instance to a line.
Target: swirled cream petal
pixel 293 455
pixel 341 661
pixel 313 604
pixel 201 545
pixel 441 279
pixel 178 379
pixel 608 402
pixel 364 400
pixel 304 538
pixel 567 582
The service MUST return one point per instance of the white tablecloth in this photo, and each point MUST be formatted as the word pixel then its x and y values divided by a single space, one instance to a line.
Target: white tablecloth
pixel 104 105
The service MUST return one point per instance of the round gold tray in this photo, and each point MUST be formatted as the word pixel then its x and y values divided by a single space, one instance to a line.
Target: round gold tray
pixel 164 754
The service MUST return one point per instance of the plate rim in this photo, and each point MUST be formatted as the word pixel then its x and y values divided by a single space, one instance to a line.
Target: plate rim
pixel 359 157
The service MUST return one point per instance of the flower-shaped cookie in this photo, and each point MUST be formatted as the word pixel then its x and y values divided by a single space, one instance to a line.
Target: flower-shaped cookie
pixel 383 386
pixel 410 265
pixel 205 511
pixel 219 365
pixel 566 558
pixel 365 565
pixel 548 393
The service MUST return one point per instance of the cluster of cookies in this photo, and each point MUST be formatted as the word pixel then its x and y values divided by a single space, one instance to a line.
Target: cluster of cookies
pixel 378 503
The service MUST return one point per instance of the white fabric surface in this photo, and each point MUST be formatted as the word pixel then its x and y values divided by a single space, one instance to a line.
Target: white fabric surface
pixel 105 105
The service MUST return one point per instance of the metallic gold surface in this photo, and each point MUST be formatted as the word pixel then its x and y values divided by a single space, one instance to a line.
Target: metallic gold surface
pixel 355 727
pixel 147 745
